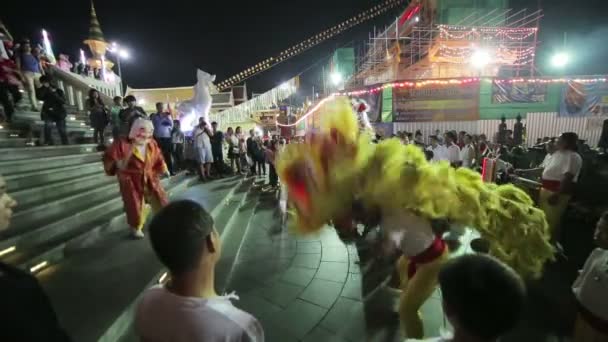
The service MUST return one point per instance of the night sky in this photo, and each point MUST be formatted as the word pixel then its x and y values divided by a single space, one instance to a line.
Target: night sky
pixel 169 41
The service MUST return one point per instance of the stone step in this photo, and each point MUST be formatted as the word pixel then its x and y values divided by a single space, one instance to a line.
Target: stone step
pixel 12 142
pixel 112 273
pixel 38 124
pixel 35 152
pixel 35 217
pixel 24 242
pixel 27 180
pixel 32 116
pixel 10 167
pixel 6 133
pixel 58 246
pixel 54 191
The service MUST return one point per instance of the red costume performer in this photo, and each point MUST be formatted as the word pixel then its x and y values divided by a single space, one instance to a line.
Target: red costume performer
pixel 138 163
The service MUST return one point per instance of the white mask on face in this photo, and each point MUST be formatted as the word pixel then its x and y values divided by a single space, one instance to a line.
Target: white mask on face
pixel 141 132
pixel 6 206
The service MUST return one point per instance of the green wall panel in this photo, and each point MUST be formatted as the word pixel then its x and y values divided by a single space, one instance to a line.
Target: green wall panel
pixel 387 105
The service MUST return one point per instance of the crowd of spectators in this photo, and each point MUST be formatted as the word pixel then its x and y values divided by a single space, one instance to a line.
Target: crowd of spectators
pixel 22 64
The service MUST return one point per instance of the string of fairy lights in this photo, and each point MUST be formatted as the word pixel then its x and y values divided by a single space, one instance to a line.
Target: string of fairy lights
pixel 486 33
pixel 468 81
pixel 309 43
pixel 514 56
pixel 442 82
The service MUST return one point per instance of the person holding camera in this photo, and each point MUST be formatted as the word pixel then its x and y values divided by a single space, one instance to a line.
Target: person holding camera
pixel 163 126
pixel 53 110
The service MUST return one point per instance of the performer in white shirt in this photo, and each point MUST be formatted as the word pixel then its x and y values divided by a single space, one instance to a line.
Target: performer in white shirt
pixel 591 290
pixel 424 253
pixel 559 178
pixel 439 151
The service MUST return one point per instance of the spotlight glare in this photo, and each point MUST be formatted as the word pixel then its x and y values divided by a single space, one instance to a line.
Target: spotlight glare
pixel 480 58
pixel 560 60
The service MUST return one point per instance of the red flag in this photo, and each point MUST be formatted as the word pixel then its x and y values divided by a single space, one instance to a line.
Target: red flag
pixel 408 14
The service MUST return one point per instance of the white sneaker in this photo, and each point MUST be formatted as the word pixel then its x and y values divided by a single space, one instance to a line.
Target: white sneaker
pixel 137 234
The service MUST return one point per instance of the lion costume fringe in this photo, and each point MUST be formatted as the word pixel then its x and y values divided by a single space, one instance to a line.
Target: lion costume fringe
pixel 339 169
pixel 324 176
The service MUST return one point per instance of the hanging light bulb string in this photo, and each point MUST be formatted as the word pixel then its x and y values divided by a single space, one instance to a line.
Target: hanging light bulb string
pixel 309 43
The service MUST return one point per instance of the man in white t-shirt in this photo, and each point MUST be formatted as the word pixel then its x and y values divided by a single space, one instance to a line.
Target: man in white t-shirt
pixel 482 299
pixel 439 151
pixel 187 308
pixel 453 151
pixel 202 146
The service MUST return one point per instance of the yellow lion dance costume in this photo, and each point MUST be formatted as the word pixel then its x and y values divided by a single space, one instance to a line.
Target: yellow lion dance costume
pixel 339 166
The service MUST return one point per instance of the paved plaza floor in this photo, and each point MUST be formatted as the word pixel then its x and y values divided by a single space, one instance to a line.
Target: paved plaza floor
pixel 317 288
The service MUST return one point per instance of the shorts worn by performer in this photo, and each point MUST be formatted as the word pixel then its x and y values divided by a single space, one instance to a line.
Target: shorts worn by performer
pixel 423 255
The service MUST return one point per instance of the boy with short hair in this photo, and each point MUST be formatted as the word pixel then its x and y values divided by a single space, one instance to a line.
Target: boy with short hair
pixel 482 298
pixel 187 308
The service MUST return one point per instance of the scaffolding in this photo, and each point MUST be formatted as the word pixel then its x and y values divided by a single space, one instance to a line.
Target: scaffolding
pixel 483 44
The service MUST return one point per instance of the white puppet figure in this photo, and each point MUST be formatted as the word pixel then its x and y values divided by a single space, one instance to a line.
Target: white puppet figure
pixel 361 108
pixel 200 104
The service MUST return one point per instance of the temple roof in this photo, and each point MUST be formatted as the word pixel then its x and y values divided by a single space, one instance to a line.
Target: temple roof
pixel 95 32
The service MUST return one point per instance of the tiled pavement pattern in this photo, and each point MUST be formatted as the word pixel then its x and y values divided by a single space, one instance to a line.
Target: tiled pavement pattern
pixel 311 288
pixel 315 288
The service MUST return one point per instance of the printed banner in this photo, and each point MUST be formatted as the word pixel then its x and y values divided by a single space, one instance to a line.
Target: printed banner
pixel 374 102
pixel 450 102
pixel 518 92
pixel 580 99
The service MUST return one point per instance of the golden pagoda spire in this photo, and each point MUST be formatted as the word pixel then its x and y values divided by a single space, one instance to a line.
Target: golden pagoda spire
pixel 95 32
pixel 96 41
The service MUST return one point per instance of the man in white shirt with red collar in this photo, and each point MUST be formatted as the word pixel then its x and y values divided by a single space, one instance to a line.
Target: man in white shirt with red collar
pixel 187 308
pixel 559 179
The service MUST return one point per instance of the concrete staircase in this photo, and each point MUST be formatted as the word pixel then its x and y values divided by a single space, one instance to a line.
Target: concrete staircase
pixel 96 287
pixel 70 230
pixel 69 227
